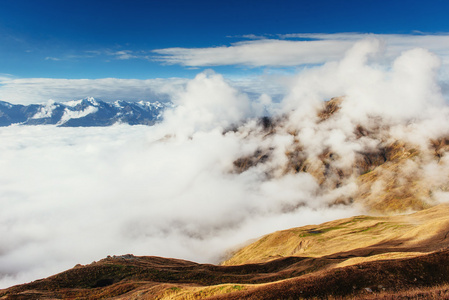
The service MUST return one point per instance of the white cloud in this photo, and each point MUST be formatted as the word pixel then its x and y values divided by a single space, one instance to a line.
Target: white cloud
pixel 316 49
pixel 124 54
pixel 127 54
pixel 406 88
pixel 208 102
pixel 274 54
pixel 40 90
pixel 52 58
pixel 36 90
pixel 257 53
pixel 74 195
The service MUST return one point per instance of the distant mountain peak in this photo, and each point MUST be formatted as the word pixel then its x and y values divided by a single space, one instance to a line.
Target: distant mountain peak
pixel 92 101
pixel 84 112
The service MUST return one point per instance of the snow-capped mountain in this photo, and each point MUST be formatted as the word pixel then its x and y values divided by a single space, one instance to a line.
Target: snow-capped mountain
pixel 84 112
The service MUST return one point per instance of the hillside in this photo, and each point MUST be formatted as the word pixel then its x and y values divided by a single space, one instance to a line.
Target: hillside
pixel 355 256
pixel 357 239
pixel 374 163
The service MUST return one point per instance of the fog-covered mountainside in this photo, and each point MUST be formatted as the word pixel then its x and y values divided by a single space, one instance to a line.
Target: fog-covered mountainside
pixel 85 112
pixel 370 164
pixel 366 256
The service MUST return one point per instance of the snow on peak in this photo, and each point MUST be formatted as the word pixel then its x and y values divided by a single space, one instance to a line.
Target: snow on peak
pixel 89 100
pixel 74 114
pixel 92 101
pixel 118 103
pixel 45 111
pixel 73 103
pixel 6 104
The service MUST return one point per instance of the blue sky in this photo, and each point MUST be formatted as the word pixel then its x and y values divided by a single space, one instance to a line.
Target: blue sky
pixel 129 39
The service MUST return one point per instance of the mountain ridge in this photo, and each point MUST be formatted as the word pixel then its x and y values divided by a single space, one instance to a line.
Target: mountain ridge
pixel 381 172
pixel 405 269
pixel 83 113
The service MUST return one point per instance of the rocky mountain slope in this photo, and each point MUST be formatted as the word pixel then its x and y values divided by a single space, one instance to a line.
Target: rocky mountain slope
pixel 85 112
pixel 366 163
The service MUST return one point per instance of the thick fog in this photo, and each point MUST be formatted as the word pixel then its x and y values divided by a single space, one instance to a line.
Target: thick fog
pixel 75 195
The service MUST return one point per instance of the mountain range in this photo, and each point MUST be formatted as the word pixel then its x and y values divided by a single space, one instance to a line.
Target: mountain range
pixel 84 112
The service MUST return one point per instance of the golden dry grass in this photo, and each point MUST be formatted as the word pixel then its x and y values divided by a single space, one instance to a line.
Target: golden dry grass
pixel 360 236
pixel 342 258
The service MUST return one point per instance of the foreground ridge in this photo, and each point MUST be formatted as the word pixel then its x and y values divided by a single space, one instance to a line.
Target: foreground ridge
pixel 410 253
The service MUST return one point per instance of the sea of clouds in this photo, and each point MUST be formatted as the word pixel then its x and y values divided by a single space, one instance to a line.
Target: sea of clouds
pixel 75 195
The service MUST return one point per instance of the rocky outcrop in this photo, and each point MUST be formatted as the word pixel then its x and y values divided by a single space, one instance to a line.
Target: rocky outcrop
pixel 389 174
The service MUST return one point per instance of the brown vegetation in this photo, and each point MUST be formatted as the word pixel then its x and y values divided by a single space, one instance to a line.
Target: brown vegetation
pixel 356 237
pixel 357 256
pixel 389 177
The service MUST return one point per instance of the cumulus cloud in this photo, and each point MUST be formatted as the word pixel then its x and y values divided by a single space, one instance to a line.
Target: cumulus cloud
pixel 74 195
pixel 208 102
pixel 404 95
pixel 406 89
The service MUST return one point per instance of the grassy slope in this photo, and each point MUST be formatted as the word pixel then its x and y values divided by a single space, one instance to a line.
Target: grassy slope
pixel 362 236
pixel 342 258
